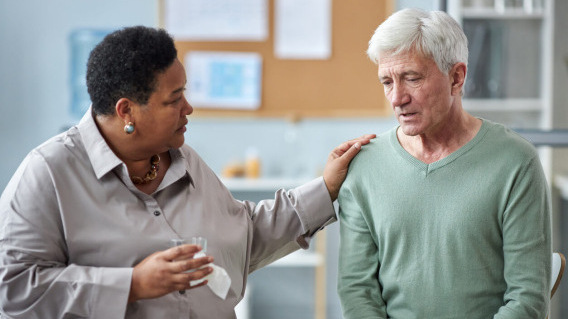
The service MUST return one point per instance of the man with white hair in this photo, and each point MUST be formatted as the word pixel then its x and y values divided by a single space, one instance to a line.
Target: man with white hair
pixel 446 215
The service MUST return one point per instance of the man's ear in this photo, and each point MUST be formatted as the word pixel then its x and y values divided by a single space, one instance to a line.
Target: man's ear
pixel 457 77
pixel 124 109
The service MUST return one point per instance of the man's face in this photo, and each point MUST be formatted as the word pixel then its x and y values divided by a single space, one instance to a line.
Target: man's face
pixel 420 94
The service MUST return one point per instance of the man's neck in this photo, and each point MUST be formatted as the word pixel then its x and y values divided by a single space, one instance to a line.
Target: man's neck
pixel 442 141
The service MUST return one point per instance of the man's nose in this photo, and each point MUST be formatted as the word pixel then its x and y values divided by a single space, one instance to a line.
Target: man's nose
pixel 399 96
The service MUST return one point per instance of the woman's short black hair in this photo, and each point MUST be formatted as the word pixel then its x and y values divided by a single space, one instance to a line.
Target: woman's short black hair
pixel 125 64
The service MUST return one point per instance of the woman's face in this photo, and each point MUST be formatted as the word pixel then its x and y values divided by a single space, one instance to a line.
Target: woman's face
pixel 160 124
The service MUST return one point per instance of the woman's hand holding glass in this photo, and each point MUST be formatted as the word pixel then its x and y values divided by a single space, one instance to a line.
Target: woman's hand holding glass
pixel 199 241
pixel 167 271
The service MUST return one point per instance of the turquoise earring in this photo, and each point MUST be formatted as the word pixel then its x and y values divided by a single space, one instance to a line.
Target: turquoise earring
pixel 129 128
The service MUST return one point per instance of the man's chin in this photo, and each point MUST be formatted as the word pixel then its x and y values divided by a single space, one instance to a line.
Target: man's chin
pixel 410 130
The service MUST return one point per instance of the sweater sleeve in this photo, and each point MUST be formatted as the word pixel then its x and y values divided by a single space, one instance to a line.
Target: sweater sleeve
pixel 358 286
pixel 527 246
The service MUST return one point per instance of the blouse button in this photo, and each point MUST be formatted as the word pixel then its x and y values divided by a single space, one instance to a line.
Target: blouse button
pixel 156 213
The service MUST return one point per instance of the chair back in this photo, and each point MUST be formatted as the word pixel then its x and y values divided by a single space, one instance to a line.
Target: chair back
pixel 558 264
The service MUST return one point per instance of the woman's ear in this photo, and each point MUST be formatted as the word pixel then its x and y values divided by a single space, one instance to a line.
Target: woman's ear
pixel 457 77
pixel 124 109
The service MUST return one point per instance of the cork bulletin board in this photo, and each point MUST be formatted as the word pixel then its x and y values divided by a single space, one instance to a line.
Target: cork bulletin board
pixel 345 85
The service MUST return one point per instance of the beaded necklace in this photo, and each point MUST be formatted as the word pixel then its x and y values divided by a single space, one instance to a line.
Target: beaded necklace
pixel 152 173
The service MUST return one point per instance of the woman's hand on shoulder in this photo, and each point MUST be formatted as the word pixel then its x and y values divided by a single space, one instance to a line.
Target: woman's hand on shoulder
pixel 337 165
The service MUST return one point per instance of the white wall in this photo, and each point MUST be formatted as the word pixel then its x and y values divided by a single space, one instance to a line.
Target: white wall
pixel 34 64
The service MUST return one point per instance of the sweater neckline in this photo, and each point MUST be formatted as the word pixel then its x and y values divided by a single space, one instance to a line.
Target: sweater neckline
pixel 427 168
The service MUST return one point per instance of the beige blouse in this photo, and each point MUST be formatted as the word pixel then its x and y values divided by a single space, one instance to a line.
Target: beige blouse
pixel 72 226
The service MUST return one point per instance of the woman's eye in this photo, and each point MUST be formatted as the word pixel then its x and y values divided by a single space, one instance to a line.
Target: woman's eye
pixel 176 101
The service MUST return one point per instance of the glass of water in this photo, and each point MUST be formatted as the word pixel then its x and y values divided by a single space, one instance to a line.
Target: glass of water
pixel 197 240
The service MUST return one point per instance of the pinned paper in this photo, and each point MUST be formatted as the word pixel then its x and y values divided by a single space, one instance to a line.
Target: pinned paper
pixel 229 80
pixel 219 20
pixel 302 29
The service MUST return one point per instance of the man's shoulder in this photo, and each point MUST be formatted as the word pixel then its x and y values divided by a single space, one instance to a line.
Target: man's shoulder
pixel 506 140
pixel 378 146
pixel 370 157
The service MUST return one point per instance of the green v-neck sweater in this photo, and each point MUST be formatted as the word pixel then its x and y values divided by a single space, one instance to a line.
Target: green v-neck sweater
pixel 466 237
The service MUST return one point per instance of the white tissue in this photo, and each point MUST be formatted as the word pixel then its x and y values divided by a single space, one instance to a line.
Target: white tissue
pixel 218 280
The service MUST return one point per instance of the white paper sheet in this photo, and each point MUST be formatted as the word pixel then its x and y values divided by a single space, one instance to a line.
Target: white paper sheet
pixel 302 29
pixel 229 80
pixel 217 20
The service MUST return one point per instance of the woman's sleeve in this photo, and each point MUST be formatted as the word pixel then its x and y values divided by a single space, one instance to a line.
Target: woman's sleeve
pixel 288 222
pixel 36 280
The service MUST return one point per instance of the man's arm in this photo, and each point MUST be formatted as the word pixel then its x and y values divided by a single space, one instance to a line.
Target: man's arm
pixel 527 246
pixel 358 285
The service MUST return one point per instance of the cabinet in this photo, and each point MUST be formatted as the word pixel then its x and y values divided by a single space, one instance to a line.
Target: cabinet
pixel 313 258
pixel 510 59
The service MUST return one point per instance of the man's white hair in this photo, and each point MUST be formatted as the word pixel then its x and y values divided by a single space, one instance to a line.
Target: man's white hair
pixel 432 33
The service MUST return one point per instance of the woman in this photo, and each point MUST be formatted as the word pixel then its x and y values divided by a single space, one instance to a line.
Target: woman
pixel 87 218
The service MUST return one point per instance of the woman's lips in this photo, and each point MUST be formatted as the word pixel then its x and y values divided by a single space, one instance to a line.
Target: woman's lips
pixel 182 128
